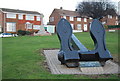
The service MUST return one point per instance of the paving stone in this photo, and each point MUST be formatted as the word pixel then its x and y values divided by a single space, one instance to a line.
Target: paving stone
pixel 56 67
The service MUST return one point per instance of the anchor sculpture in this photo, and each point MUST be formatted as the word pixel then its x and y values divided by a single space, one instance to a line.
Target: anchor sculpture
pixel 72 51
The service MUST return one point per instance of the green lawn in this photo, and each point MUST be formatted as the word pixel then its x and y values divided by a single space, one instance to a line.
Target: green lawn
pixel 22 57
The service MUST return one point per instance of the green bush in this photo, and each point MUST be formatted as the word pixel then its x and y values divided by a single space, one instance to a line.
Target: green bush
pixel 22 32
pixel 113 26
pixel 28 33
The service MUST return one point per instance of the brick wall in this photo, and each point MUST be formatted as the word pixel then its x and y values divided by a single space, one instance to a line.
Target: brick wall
pixel 56 16
pixel 21 24
pixel 2 20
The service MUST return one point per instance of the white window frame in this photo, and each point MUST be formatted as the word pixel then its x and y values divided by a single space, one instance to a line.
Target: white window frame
pixel 110 16
pixel 20 16
pixel 79 26
pixel 29 17
pixel 64 16
pixel 90 18
pixel 36 27
pixel 116 22
pixel 10 15
pixel 51 19
pixel 11 26
pixel 104 22
pixel 71 18
pixel 38 18
pixel 72 25
pixel 85 19
pixel 29 26
pixel 116 17
pixel 78 19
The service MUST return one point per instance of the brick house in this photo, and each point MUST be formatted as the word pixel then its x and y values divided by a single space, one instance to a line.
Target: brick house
pixel 12 20
pixel 77 22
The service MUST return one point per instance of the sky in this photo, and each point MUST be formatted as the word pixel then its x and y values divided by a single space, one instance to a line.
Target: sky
pixel 43 6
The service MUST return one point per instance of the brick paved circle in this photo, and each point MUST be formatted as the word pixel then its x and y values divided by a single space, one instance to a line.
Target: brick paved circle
pixel 56 67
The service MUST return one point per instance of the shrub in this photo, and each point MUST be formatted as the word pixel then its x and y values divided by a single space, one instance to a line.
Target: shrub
pixel 21 32
pixel 113 26
pixel 106 26
pixel 28 33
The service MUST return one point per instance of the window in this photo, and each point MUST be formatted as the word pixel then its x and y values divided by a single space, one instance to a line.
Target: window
pixel 11 27
pixel 85 19
pixel 37 27
pixel 110 16
pixel 116 17
pixel 90 18
pixel 71 18
pixel 29 17
pixel 103 22
pixel 51 19
pixel 72 26
pixel 38 18
pixel 10 15
pixel 29 26
pixel 79 26
pixel 20 16
pixel 64 17
pixel 116 23
pixel 78 19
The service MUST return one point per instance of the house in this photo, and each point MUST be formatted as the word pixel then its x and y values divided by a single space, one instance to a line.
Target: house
pixel 12 20
pixel 78 22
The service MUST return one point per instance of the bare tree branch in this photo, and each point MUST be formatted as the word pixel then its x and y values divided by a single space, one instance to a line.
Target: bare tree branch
pixel 96 9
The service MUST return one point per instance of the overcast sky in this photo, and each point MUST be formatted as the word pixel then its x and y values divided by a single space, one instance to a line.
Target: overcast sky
pixel 43 6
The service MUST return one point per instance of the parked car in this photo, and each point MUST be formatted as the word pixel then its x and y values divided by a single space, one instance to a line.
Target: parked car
pixel 8 35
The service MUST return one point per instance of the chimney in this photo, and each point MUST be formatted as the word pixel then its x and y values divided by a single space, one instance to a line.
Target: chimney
pixel 76 10
pixel 61 8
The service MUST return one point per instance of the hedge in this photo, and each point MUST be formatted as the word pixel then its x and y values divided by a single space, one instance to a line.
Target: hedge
pixel 113 26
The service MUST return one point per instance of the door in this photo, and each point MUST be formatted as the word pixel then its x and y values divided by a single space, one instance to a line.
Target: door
pixel 85 27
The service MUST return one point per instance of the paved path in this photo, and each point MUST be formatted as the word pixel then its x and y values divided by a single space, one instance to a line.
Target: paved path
pixel 56 67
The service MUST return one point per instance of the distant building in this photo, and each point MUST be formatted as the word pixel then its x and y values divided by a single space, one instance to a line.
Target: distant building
pixel 12 20
pixel 78 22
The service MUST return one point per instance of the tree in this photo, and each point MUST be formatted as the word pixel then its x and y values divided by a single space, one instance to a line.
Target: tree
pixel 96 9
pixel 119 19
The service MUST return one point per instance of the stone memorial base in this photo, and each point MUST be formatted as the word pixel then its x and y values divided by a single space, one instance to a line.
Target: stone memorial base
pixel 42 33
pixel 56 68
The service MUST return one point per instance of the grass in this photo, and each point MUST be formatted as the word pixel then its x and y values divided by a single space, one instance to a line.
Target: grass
pixel 22 58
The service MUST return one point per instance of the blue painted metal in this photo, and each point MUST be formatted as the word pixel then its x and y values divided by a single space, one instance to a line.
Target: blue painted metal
pixel 67 53
pixel 73 51
pixel 77 45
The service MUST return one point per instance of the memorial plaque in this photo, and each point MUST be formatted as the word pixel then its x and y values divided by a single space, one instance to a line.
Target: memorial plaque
pixel 90 64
